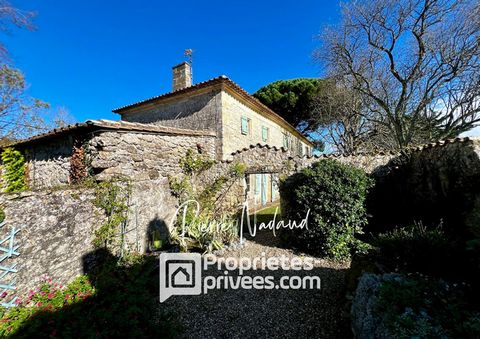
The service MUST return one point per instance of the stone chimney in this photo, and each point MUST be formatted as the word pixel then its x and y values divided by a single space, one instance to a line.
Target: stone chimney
pixel 182 76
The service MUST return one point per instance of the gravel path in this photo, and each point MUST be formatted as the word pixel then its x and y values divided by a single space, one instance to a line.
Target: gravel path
pixel 272 313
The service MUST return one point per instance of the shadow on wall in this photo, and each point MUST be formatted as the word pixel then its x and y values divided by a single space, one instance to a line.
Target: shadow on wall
pixel 435 185
pixel 157 234
pixel 125 304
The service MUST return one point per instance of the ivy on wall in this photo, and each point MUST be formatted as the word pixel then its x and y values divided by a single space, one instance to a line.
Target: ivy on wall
pixel 14 170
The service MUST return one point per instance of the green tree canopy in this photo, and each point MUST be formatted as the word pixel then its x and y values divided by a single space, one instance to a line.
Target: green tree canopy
pixel 293 100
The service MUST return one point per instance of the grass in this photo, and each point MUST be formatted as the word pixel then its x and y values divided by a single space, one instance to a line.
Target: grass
pixel 266 214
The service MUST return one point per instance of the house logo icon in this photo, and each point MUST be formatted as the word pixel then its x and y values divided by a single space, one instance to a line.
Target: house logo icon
pixel 180 274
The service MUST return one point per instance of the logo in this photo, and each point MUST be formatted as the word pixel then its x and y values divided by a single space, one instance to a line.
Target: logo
pixel 180 274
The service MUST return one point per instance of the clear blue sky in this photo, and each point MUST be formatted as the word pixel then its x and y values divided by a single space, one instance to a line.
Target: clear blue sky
pixel 94 56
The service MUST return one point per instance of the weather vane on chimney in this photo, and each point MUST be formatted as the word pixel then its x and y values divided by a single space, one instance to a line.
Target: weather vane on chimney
pixel 189 54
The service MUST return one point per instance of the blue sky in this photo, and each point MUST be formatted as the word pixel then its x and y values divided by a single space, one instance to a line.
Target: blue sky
pixel 94 56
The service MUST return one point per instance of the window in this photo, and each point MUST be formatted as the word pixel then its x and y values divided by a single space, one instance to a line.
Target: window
pixel 285 140
pixel 245 125
pixel 299 148
pixel 247 182
pixel 264 134
pixel 258 183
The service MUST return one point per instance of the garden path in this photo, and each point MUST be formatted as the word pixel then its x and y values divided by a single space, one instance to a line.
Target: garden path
pixel 275 313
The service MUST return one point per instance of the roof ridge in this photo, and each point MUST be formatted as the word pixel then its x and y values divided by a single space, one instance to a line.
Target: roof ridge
pixel 168 94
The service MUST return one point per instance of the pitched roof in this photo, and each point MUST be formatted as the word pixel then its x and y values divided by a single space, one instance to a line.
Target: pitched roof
pixel 228 84
pixel 111 125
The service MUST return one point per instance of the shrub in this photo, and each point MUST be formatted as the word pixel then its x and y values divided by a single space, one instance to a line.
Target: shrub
pixel 14 170
pixel 205 234
pixel 335 194
pixel 419 307
pixel 417 248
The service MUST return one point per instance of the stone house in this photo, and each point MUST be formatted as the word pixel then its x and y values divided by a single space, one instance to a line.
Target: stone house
pixel 217 115
pixel 237 119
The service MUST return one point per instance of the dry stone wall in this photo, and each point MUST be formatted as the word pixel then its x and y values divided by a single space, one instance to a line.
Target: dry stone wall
pixel 56 233
pixel 48 164
pixel 142 156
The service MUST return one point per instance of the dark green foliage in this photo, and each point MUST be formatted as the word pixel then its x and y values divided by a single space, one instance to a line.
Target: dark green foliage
pixel 419 307
pixel 14 170
pixel 335 194
pixel 293 100
pixel 432 186
pixel 418 249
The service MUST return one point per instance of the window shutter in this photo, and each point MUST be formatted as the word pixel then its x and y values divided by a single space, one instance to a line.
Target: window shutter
pixel 285 140
pixel 244 125
pixel 258 183
pixel 264 134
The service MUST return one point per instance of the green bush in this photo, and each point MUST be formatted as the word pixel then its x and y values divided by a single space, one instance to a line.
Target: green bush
pixel 415 248
pixel 335 194
pixel 428 250
pixel 421 307
pixel 14 170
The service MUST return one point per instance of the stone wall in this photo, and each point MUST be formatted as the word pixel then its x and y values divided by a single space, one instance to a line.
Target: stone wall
pixel 142 156
pixel 48 164
pixel 151 207
pixel 199 111
pixel 56 233
pixel 278 162
pixel 57 228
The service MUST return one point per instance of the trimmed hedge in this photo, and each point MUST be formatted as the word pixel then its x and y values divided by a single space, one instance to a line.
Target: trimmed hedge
pixel 335 193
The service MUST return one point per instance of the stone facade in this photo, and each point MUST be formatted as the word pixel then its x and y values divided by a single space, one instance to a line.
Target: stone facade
pixel 219 105
pixel 198 111
pixel 233 110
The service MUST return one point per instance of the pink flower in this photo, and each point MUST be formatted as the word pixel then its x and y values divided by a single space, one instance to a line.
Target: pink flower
pixel 50 296
pixel 39 304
